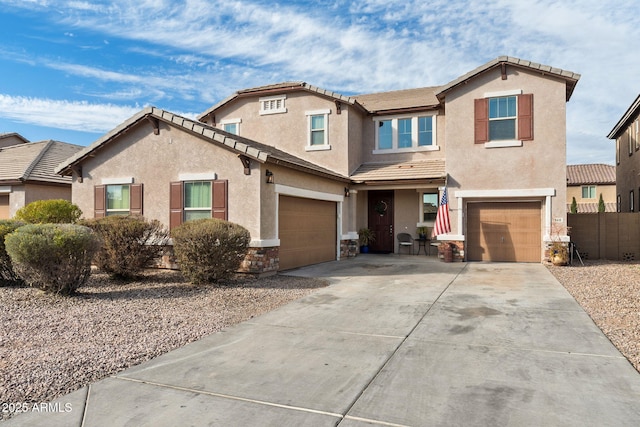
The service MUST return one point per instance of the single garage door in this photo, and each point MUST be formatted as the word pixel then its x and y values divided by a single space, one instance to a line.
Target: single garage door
pixel 504 231
pixel 307 231
pixel 4 206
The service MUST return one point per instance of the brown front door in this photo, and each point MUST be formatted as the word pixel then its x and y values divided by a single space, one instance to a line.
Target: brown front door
pixel 381 220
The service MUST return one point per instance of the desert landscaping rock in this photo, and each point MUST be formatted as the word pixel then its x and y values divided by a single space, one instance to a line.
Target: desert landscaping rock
pixel 52 345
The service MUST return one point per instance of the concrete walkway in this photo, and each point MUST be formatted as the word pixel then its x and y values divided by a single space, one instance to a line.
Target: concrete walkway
pixel 394 340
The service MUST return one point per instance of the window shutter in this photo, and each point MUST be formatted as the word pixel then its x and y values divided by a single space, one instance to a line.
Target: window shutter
pixel 219 199
pixel 99 201
pixel 175 204
pixel 135 199
pixel 525 117
pixel 481 116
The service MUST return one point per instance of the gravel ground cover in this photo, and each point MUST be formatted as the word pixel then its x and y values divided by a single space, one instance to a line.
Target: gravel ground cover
pixel 609 291
pixel 52 345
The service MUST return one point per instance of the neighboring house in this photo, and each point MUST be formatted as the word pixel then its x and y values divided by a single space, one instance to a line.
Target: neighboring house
pixel 627 136
pixel 304 168
pixel 27 173
pixel 587 182
pixel 13 138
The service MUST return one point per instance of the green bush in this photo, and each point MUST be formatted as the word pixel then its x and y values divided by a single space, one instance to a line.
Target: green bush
pixel 209 250
pixel 7 275
pixel 55 211
pixel 128 243
pixel 53 257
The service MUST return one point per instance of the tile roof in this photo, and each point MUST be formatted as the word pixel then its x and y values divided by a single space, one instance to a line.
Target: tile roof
pixel 369 172
pixel 592 207
pixel 252 149
pixel 399 99
pixel 632 112
pixel 35 161
pixel 591 174
pixel 277 88
pixel 570 77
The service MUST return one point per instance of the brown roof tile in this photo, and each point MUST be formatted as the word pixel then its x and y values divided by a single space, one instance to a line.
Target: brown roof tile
pixel 431 169
pixel 35 161
pixel 399 99
pixel 595 173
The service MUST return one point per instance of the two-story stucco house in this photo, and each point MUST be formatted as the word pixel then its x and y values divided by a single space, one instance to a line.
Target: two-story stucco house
pixel 304 168
pixel 626 133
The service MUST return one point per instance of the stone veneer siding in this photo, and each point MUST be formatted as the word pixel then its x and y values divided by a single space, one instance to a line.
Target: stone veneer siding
pixel 348 248
pixel 458 254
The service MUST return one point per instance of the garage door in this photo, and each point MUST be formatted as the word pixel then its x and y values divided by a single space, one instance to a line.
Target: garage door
pixel 4 206
pixel 504 231
pixel 307 231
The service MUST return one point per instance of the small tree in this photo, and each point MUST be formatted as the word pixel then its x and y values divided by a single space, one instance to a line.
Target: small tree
pixel 574 206
pixel 7 275
pixel 210 250
pixel 601 206
pixel 53 257
pixel 56 211
pixel 128 243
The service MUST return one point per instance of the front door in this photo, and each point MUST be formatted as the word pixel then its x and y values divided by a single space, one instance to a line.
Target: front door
pixel 381 220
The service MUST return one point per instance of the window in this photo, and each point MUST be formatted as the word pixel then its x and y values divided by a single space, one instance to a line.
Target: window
pixel 631 201
pixel 231 125
pixel 273 104
pixel 429 206
pixel 630 141
pixel 637 134
pixel 589 192
pixel 425 131
pixel 502 118
pixel 189 200
pixel 318 137
pixel 618 152
pixel 117 199
pixel 197 200
pixel 405 134
pixel 618 204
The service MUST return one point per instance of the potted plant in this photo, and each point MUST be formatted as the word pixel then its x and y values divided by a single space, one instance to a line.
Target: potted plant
pixel 365 236
pixel 558 253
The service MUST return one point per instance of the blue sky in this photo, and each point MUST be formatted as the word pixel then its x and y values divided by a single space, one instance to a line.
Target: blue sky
pixel 72 69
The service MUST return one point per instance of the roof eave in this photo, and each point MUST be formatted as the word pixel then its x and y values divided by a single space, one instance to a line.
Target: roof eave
pixel 632 111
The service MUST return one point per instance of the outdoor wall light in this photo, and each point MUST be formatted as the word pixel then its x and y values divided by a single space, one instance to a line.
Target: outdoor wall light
pixel 269 176
pixel 347 193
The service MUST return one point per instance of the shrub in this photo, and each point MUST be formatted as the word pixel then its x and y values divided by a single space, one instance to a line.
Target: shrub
pixel 209 250
pixel 55 211
pixel 53 257
pixel 7 275
pixel 128 243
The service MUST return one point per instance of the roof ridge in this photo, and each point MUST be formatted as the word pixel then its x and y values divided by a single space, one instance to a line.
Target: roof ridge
pixel 37 159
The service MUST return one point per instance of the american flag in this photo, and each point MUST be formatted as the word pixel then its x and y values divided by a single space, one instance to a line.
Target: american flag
pixel 443 224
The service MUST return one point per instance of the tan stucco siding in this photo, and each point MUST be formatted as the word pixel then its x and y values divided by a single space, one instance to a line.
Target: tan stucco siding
pixel 289 131
pixel 540 163
pixel 21 195
pixel 608 193
pixel 157 160
pixel 627 177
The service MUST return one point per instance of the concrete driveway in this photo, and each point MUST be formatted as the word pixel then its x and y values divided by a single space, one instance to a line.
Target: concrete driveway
pixel 393 341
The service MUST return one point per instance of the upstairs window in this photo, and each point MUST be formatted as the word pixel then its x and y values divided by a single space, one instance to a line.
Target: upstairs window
pixel 318 130
pixel 231 126
pixel 588 191
pixel 399 134
pixel 273 104
pixel 504 120
pixel 631 201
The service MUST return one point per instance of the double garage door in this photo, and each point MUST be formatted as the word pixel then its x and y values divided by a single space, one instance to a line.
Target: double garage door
pixel 504 231
pixel 307 231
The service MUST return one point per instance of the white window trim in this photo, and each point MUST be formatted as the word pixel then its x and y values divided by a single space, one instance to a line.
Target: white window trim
pixel 117 181
pixel 266 99
pixel 414 134
pixel 325 145
pixel 231 122
pixel 206 176
pixel 5 189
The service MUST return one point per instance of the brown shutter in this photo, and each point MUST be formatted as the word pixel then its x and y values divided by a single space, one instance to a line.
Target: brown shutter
pixel 481 117
pixel 99 201
pixel 175 204
pixel 135 199
pixel 219 199
pixel 525 117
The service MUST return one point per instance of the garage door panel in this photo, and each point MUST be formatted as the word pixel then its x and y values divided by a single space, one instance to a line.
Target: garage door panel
pixel 307 231
pixel 504 231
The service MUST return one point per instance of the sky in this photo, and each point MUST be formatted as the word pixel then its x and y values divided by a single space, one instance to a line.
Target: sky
pixel 72 70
